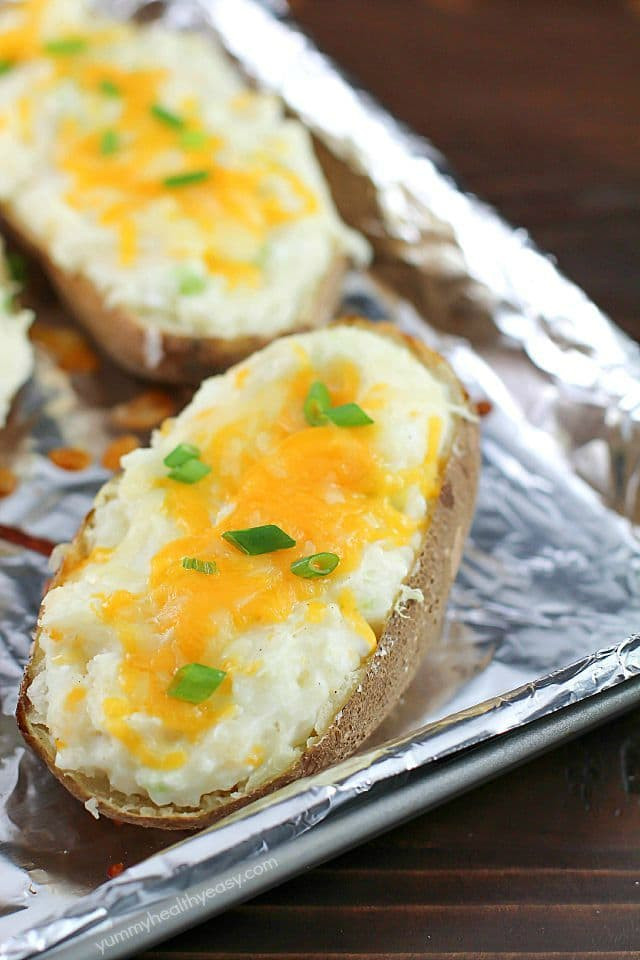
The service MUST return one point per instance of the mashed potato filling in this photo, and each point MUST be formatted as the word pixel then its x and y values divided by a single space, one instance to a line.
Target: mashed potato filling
pixel 16 356
pixel 131 615
pixel 136 156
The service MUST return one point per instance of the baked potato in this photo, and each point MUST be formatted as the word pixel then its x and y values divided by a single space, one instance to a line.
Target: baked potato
pixel 250 597
pixel 182 217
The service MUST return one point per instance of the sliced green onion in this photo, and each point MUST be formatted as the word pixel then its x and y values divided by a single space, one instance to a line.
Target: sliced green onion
pixel 201 566
pixel 109 142
pixel 193 139
pixel 156 786
pixel 190 472
pixel 180 455
pixel 317 565
pixel 258 540
pixel 263 256
pixel 195 682
pixel 191 283
pixel 185 463
pixel 5 66
pixel 65 46
pixel 186 179
pixel 318 409
pixel 17 267
pixel 349 415
pixel 317 404
pixel 110 89
pixel 167 116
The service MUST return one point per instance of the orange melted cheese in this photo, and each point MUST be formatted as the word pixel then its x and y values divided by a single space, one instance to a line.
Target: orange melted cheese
pixel 325 486
pixel 351 613
pixel 120 188
pixel 74 697
pixel 116 711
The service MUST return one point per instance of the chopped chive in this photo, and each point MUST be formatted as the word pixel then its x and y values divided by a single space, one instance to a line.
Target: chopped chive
pixel 316 404
pixel 180 455
pixel 109 88
pixel 195 682
pixel 65 46
pixel 190 472
pixel 201 566
pixel 263 256
pixel 167 116
pixel 5 66
pixel 318 409
pixel 257 540
pixel 317 565
pixel 192 139
pixel 191 283
pixel 109 142
pixel 185 463
pixel 349 415
pixel 17 267
pixel 186 179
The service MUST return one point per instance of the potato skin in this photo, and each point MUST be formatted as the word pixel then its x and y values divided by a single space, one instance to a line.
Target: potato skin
pixel 386 674
pixel 174 358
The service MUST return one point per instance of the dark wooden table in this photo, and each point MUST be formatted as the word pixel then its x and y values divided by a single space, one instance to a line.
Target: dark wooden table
pixel 537 105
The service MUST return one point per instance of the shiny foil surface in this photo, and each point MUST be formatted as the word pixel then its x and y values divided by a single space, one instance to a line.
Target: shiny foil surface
pixel 544 610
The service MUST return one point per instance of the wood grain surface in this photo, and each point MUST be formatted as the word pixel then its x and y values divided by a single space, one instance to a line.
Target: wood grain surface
pixel 536 104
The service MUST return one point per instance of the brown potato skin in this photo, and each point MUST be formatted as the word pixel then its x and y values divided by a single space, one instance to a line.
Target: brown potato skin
pixel 183 358
pixel 385 675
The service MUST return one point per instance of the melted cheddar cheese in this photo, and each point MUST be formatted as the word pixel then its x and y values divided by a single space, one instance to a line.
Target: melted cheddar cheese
pixel 130 615
pixel 137 157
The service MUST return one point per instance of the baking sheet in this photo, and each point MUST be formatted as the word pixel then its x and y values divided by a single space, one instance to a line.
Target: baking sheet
pixel 548 586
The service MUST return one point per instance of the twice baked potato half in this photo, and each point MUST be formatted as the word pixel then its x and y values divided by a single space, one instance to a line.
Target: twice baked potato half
pixel 250 597
pixel 182 216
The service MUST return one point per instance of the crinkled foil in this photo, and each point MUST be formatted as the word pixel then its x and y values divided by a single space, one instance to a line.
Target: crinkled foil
pixel 546 603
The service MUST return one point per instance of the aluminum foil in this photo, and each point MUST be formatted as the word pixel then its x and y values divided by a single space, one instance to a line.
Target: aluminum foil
pixel 546 603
